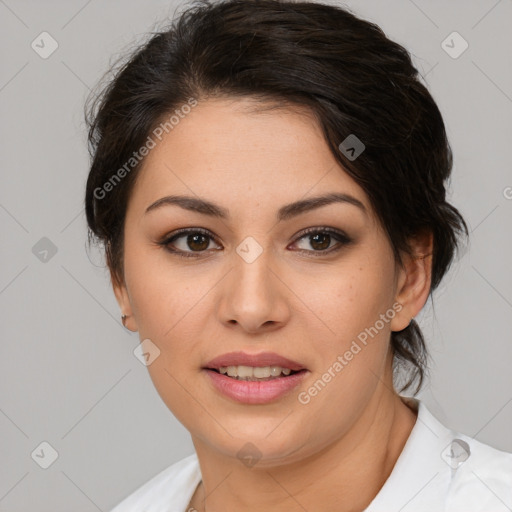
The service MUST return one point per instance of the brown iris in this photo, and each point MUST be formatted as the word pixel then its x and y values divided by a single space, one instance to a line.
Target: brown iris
pixel 193 241
pixel 319 236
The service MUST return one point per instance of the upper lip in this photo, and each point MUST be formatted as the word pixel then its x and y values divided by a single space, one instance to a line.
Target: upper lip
pixel 261 359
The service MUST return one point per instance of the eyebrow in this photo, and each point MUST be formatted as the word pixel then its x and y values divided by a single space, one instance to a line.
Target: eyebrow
pixel 286 212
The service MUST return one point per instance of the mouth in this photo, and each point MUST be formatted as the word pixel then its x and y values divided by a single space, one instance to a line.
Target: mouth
pixel 244 362
pixel 254 378
pixel 255 373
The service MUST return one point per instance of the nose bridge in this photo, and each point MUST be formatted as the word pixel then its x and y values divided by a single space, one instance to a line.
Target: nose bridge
pixel 253 297
pixel 252 271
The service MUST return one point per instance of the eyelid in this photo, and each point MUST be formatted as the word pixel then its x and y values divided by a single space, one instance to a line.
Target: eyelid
pixel 321 229
pixel 184 231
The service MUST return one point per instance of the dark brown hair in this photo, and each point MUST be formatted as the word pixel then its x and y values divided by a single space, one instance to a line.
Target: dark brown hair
pixel 350 76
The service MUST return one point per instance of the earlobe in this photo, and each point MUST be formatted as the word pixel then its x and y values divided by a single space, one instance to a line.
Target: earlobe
pixel 123 299
pixel 414 280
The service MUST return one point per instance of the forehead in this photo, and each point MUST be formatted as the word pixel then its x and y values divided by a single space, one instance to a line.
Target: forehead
pixel 230 150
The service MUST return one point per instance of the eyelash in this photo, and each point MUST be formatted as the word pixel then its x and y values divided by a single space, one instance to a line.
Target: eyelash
pixel 341 237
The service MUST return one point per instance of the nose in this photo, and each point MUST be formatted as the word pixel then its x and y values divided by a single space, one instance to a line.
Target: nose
pixel 254 296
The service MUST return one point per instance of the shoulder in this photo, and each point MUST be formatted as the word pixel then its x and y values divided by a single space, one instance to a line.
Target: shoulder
pixel 471 476
pixel 445 470
pixel 168 491
pixel 480 476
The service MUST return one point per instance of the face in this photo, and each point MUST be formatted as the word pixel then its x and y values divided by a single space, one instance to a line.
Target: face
pixel 303 284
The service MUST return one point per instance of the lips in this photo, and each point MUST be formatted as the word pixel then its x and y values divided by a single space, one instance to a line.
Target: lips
pixel 252 390
pixel 255 360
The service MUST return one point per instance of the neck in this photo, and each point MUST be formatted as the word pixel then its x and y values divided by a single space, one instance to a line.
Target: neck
pixel 343 477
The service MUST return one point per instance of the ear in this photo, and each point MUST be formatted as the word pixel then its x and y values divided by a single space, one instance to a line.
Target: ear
pixel 414 278
pixel 123 299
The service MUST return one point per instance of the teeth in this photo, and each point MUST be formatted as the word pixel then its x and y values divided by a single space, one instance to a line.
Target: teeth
pixel 244 371
pixel 259 372
pixel 254 373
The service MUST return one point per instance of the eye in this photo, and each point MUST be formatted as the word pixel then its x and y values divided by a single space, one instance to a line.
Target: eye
pixel 197 239
pixel 194 242
pixel 320 239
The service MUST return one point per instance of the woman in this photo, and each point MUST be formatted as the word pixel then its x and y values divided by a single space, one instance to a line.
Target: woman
pixel 268 179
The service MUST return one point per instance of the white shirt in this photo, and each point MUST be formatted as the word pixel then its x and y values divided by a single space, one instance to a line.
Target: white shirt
pixel 438 470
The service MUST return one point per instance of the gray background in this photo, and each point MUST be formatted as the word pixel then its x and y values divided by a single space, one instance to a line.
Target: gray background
pixel 68 375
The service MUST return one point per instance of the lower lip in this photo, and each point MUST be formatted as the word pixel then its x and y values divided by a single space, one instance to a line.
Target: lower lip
pixel 255 392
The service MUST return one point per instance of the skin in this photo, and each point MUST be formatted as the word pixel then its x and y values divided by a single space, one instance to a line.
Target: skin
pixel 336 452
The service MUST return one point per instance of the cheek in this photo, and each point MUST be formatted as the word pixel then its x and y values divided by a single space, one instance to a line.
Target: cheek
pixel 169 306
pixel 354 298
pixel 163 295
pixel 352 356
